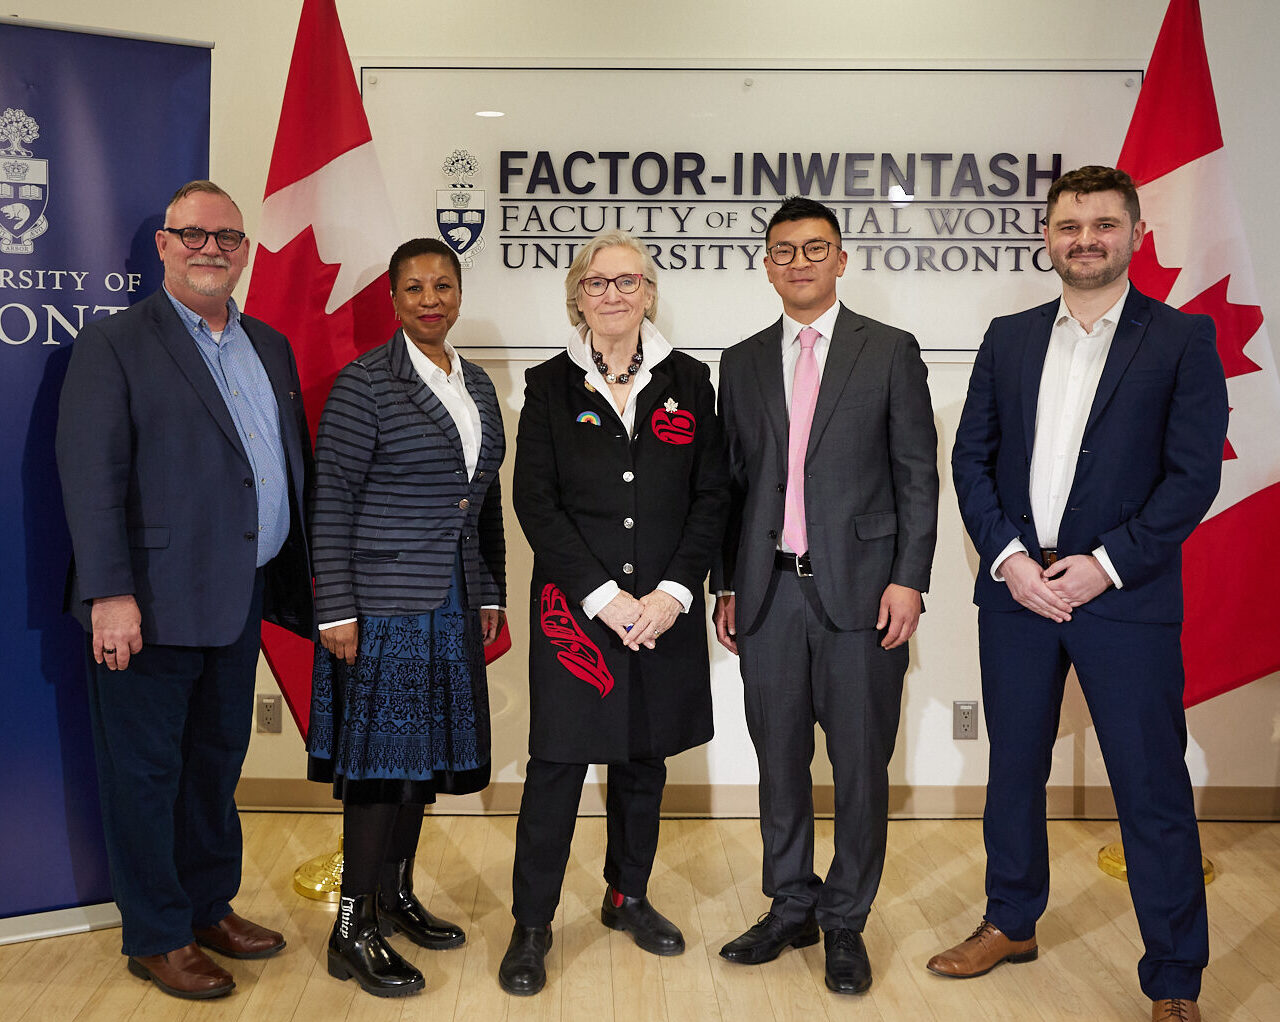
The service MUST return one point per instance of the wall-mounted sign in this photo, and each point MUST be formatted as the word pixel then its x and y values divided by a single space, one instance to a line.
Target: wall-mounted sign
pixel 937 177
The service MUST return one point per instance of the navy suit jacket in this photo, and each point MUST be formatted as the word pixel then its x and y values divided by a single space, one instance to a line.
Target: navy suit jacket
pixel 158 490
pixel 1149 465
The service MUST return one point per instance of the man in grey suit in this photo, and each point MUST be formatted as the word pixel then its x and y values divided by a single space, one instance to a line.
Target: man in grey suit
pixel 832 449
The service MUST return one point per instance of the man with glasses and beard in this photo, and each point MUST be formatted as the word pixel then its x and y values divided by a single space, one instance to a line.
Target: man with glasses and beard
pixel 832 451
pixel 183 451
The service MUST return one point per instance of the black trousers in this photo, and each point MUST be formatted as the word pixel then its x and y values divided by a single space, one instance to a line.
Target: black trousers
pixel 170 733
pixel 548 813
pixel 798 669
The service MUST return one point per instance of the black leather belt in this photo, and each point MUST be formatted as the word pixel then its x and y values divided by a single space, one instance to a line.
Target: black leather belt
pixel 793 564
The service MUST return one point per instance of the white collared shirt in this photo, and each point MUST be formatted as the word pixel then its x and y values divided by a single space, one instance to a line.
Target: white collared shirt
pixel 451 389
pixel 656 348
pixel 1073 365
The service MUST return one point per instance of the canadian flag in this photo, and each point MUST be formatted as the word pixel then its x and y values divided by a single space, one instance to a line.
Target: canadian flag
pixel 1195 258
pixel 320 274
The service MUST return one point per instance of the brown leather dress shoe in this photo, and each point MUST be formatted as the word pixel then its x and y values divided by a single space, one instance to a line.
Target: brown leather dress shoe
pixel 1175 1009
pixel 236 937
pixel 184 972
pixel 986 948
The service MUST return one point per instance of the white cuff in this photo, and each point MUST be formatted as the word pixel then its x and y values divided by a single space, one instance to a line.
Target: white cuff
pixel 598 599
pixel 334 624
pixel 678 592
pixel 1015 546
pixel 1108 567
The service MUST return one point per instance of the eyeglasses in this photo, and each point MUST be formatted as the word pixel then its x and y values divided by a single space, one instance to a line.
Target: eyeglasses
pixel 627 284
pixel 815 250
pixel 195 237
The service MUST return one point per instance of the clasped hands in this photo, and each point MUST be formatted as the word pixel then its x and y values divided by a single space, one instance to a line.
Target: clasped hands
pixel 639 622
pixel 1056 591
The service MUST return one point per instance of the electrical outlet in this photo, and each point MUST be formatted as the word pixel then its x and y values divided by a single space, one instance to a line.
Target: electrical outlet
pixel 964 720
pixel 269 715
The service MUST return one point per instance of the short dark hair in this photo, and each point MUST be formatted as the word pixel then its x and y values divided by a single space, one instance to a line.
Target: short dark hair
pixel 191 188
pixel 799 207
pixel 1085 180
pixel 419 247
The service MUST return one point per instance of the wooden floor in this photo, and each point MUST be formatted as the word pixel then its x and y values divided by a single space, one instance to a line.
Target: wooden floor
pixel 707 881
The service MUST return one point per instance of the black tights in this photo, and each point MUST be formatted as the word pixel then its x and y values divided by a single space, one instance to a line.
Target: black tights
pixel 373 835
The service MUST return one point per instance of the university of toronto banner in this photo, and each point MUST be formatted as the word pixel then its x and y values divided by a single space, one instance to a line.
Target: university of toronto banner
pixel 96 132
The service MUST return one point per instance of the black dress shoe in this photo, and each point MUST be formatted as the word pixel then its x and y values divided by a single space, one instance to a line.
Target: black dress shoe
pixel 768 938
pixel 523 971
pixel 399 909
pixel 649 928
pixel 357 950
pixel 848 968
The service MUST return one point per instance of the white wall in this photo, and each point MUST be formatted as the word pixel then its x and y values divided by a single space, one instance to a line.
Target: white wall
pixel 1235 738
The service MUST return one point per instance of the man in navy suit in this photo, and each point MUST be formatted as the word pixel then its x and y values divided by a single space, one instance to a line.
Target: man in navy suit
pixel 183 452
pixel 1089 447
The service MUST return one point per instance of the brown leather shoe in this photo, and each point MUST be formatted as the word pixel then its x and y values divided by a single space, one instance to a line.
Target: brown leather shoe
pixel 1174 1009
pixel 236 937
pixel 185 972
pixel 986 948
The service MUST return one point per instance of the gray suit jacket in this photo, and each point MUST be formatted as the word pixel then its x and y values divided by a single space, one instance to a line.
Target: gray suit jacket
pixel 871 485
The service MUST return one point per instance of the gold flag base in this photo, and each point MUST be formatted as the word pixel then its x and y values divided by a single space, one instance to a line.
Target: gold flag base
pixel 320 879
pixel 1111 862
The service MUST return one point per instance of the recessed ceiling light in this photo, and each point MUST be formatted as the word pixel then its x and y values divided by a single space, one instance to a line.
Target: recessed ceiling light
pixel 490 113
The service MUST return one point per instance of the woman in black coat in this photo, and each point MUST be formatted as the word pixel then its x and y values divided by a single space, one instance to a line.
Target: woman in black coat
pixel 406 534
pixel 621 488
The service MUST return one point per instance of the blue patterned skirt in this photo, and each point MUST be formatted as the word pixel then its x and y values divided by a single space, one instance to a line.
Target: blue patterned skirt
pixel 411 717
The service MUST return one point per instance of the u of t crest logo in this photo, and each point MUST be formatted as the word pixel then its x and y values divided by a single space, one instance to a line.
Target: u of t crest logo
pixel 460 210
pixel 24 184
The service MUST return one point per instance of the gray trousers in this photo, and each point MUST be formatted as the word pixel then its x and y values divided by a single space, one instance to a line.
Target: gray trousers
pixel 798 669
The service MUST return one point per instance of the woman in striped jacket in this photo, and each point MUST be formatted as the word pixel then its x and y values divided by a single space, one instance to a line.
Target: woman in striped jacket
pixel 410 578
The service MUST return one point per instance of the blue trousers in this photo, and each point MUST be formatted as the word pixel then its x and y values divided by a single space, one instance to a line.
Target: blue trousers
pixel 1131 677
pixel 170 734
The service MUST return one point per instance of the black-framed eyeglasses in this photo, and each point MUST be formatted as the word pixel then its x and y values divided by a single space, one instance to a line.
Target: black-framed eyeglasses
pixel 815 250
pixel 626 283
pixel 195 237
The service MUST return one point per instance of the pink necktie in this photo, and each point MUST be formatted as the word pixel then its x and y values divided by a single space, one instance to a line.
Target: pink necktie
pixel 804 395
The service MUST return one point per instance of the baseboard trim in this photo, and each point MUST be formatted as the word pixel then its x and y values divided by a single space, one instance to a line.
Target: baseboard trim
pixel 737 800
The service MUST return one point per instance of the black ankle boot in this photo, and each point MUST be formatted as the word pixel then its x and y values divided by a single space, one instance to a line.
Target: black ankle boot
pixel 398 909
pixel 523 971
pixel 358 951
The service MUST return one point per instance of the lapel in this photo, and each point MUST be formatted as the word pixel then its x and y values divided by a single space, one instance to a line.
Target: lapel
pixel 1134 319
pixel 486 400
pixel 275 361
pixel 847 341
pixel 420 394
pixel 1036 346
pixel 768 374
pixel 656 391
pixel 174 338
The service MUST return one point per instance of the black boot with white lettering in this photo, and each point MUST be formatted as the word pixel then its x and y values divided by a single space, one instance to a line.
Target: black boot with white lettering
pixel 358 951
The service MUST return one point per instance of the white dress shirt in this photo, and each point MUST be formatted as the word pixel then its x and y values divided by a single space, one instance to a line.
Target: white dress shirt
pixel 656 348
pixel 1073 366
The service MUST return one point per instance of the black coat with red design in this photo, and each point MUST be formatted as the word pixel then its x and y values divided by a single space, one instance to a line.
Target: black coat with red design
pixel 597 505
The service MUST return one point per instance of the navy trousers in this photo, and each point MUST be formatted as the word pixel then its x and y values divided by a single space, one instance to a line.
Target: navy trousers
pixel 170 733
pixel 1131 677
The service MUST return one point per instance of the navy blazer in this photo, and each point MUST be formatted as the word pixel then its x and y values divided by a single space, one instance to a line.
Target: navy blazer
pixel 1149 465
pixel 393 500
pixel 157 487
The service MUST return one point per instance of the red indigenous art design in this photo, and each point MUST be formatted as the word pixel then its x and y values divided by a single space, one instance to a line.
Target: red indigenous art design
pixel 580 656
pixel 672 425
